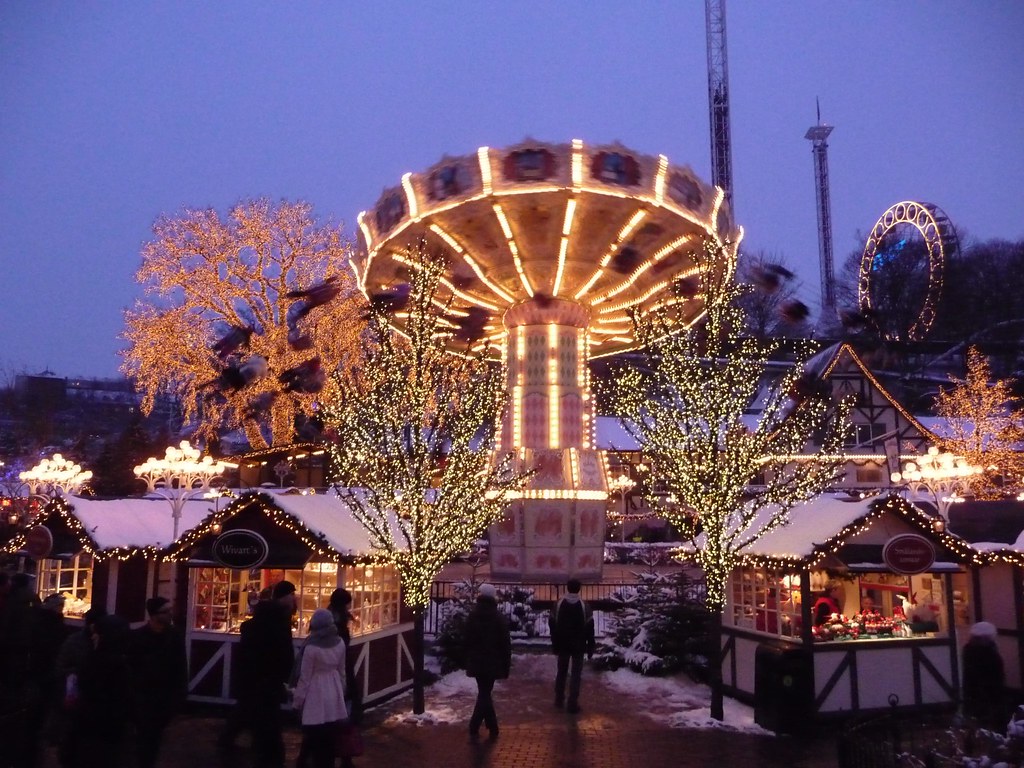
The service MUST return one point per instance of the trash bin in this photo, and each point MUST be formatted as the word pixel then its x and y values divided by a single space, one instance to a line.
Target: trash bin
pixel 783 688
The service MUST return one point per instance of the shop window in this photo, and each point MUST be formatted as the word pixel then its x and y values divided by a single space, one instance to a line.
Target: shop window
pixel 70 578
pixel 375 596
pixel 765 601
pixel 223 598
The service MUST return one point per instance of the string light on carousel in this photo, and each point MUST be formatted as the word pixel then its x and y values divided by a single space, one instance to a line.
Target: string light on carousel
pixel 939 474
pixel 179 476
pixel 550 250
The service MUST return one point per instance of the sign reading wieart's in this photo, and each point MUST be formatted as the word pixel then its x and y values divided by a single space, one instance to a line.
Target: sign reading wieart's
pixel 909 553
pixel 240 548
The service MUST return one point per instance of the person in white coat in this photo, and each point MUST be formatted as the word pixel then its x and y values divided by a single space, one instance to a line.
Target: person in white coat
pixel 320 690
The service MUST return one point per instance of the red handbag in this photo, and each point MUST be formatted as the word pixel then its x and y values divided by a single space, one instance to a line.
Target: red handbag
pixel 348 740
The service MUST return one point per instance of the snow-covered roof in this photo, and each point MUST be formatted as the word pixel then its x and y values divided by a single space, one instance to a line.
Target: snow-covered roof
pixel 818 525
pixel 136 523
pixel 328 515
pixel 612 435
pixel 810 524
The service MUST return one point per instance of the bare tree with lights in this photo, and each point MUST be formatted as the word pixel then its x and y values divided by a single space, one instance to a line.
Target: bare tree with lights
pixel 986 423
pixel 229 325
pixel 412 444
pixel 686 407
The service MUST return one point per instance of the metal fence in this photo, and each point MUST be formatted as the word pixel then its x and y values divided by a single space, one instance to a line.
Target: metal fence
pixel 599 597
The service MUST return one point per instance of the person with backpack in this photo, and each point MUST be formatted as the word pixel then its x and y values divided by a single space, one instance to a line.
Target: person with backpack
pixel 572 635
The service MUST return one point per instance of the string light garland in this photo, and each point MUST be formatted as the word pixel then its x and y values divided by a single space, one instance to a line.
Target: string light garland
pixel 413 438
pixel 687 404
pixel 820 551
pixel 318 545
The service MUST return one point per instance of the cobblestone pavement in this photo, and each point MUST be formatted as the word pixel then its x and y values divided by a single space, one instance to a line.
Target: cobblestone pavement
pixel 608 733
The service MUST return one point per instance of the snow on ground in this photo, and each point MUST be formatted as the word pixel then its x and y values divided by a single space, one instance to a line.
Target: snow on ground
pixel 675 701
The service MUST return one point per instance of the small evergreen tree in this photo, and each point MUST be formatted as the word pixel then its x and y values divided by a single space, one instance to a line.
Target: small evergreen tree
pixel 661 628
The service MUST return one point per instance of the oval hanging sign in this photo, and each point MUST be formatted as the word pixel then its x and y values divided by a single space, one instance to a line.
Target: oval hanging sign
pixel 38 542
pixel 240 549
pixel 909 553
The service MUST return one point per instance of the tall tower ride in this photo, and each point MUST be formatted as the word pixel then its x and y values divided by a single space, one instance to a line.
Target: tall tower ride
pixel 718 98
pixel 818 135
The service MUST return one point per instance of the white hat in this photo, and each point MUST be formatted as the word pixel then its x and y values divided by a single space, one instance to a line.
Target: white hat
pixel 488 590
pixel 984 629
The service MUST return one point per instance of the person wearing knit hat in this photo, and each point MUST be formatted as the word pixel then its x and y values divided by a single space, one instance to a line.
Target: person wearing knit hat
pixel 488 590
pixel 488 645
pixel 320 690
pixel 983 687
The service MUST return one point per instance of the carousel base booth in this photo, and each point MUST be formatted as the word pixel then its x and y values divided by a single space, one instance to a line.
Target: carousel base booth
pixel 118 553
pixel 851 608
pixel 241 551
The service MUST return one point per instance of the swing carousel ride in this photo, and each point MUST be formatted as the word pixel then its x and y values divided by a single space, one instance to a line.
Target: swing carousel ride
pixel 550 247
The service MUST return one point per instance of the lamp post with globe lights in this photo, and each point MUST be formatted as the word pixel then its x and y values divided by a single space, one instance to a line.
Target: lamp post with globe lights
pixel 51 478
pixel 179 476
pixel 942 475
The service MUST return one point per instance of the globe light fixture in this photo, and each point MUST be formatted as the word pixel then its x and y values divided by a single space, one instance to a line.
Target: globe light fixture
pixel 55 476
pixel 942 475
pixel 179 476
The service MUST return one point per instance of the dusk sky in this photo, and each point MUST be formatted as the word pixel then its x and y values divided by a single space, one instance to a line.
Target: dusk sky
pixel 112 113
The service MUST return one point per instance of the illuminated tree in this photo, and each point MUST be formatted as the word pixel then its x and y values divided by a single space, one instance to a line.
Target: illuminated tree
pixel 686 406
pixel 413 437
pixel 985 426
pixel 226 293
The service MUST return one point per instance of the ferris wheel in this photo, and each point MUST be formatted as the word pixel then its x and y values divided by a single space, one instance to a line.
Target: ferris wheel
pixel 902 269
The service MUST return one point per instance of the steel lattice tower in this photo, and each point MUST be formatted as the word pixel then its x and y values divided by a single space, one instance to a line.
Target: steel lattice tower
pixel 718 98
pixel 818 135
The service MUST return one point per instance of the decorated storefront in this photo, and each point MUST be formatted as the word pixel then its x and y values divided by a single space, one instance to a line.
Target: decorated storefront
pixel 996 529
pixel 237 553
pixel 117 553
pixel 853 606
pixel 106 552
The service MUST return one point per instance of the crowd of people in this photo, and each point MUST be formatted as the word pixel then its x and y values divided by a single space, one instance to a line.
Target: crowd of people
pixel 83 691
pixel 102 695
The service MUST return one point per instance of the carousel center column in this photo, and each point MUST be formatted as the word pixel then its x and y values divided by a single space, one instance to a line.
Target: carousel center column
pixel 556 530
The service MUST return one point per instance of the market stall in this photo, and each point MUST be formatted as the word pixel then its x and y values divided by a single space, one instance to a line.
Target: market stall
pixel 996 529
pixel 240 551
pixel 105 552
pixel 119 552
pixel 853 606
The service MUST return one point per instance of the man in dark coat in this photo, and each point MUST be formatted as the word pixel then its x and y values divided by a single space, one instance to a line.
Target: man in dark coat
pixel 70 658
pixel 984 678
pixel 265 659
pixel 488 657
pixel 159 677
pixel 572 635
pixel 100 714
